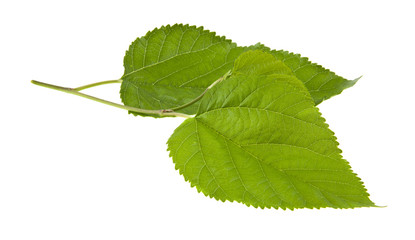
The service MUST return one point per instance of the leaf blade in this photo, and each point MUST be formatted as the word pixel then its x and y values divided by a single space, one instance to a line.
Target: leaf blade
pixel 321 82
pixel 243 147
pixel 172 65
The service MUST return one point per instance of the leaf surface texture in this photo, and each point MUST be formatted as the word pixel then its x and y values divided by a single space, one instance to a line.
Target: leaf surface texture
pixel 320 82
pixel 258 139
pixel 172 65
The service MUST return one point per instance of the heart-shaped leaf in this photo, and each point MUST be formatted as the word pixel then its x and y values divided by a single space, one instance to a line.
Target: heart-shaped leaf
pixel 258 139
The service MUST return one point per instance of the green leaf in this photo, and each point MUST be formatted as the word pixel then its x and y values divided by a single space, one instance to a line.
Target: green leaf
pixel 320 82
pixel 259 63
pixel 258 139
pixel 171 66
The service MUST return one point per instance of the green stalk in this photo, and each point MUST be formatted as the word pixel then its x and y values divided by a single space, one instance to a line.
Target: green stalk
pixel 160 112
pixel 97 84
pixel 204 92
pixel 163 112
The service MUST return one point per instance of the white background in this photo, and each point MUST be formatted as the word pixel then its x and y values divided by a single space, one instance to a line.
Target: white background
pixel 71 168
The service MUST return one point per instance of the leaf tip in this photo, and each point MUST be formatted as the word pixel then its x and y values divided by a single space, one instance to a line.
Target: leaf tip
pixel 356 79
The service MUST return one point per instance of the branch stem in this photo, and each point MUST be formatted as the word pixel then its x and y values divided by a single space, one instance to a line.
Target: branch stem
pixel 162 112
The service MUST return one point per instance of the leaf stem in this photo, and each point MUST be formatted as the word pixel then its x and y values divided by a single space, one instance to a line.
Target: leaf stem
pixel 97 84
pixel 203 93
pixel 162 112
